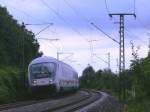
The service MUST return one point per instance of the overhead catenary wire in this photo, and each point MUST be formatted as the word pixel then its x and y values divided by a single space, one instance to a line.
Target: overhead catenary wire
pixel 49 24
pixel 100 58
pixel 62 18
pixel 106 5
pixel 143 25
pixel 48 39
pixel 129 33
pixel 50 42
pixel 134 6
pixel 43 30
pixel 26 14
pixel 98 28
pixel 70 55
pixel 83 17
pixel 41 22
pixel 138 19
pixel 92 48
pixel 107 62
pixel 38 24
pixel 85 20
pixel 75 11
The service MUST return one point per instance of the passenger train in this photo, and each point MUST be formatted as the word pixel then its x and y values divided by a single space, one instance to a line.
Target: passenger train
pixel 50 72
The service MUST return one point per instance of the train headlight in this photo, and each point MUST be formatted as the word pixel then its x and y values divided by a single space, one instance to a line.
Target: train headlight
pixel 50 80
pixel 34 81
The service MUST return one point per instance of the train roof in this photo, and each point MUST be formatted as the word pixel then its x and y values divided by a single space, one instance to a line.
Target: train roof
pixel 43 59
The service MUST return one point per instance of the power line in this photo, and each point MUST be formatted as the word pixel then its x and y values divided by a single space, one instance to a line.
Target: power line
pixel 143 25
pixel 61 53
pixel 107 9
pixel 107 62
pixel 138 19
pixel 43 30
pixel 51 40
pixel 48 39
pixel 62 18
pixel 129 32
pixel 75 11
pixel 82 17
pixel 91 48
pixel 38 24
pixel 101 59
pixel 49 24
pixel 98 28
pixel 134 6
pixel 25 13
pixel 133 35
pixel 33 17
pixel 85 19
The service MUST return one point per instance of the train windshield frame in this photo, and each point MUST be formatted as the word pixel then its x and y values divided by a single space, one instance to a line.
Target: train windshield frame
pixel 42 70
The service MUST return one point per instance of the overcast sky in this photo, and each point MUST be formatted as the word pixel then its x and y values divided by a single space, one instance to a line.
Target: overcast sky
pixel 71 25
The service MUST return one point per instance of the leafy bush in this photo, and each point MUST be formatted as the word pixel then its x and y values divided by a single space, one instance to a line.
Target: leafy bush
pixel 18 47
pixel 13 85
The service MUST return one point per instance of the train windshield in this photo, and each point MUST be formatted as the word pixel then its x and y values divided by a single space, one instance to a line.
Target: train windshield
pixel 42 70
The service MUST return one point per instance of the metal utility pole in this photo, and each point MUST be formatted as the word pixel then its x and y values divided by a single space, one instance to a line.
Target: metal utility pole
pixel 117 64
pixel 23 49
pixel 108 60
pixel 149 44
pixel 122 50
pixel 91 48
pixel 121 42
pixel 149 47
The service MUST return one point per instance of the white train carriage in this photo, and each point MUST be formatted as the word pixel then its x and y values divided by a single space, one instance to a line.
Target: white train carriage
pixel 47 72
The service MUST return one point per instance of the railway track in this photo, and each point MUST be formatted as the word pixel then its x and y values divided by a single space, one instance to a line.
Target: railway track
pixel 71 103
pixel 76 106
pixel 30 102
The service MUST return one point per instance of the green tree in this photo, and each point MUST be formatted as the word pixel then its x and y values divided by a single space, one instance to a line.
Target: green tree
pixel 18 46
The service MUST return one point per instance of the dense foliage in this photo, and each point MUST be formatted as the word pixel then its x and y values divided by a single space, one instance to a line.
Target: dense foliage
pixel 18 47
pixel 100 80
pixel 130 87
pixel 13 86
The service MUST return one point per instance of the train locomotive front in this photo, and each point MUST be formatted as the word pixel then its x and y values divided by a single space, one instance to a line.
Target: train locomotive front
pixel 48 72
pixel 41 74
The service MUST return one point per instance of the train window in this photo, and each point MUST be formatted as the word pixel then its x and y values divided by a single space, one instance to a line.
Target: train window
pixel 75 75
pixel 42 70
pixel 66 71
